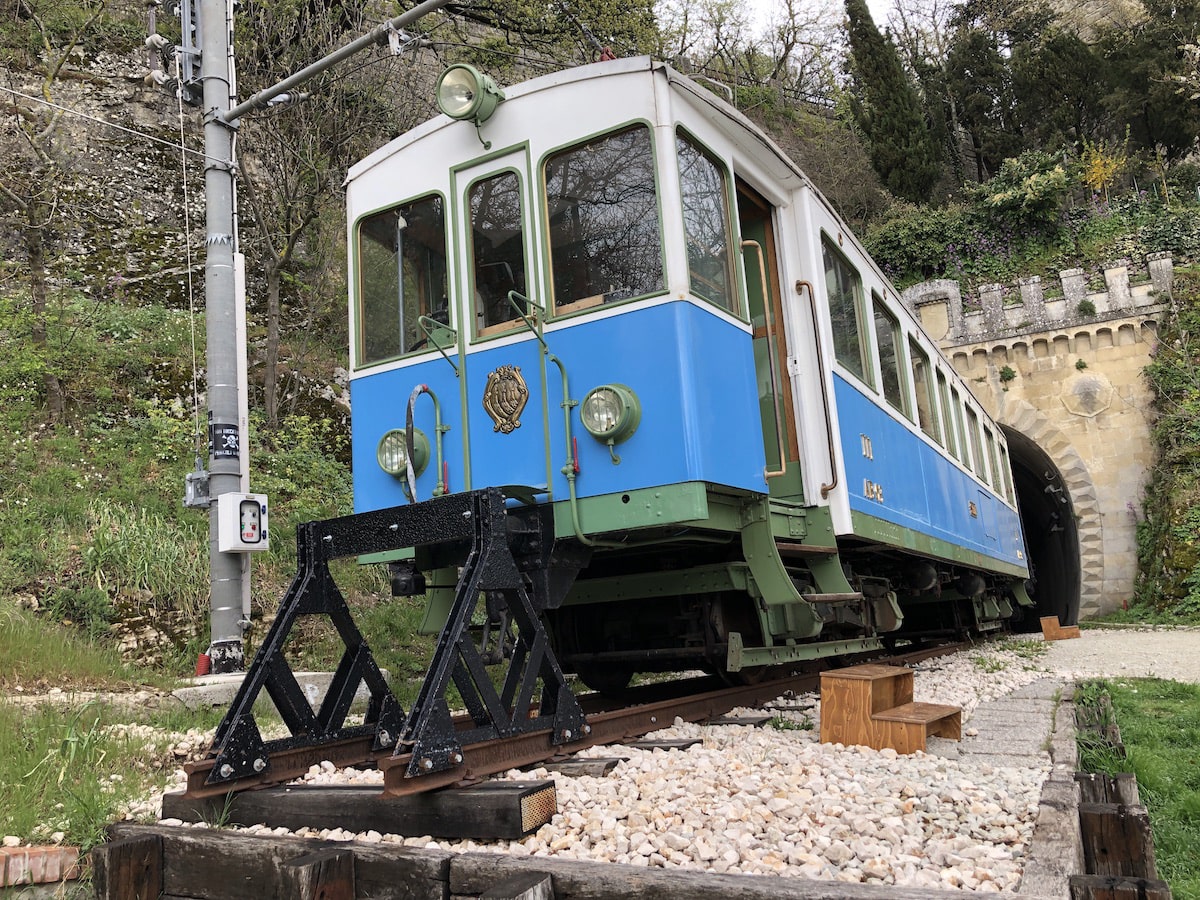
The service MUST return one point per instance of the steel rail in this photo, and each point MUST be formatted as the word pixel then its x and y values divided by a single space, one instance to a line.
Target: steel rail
pixel 608 726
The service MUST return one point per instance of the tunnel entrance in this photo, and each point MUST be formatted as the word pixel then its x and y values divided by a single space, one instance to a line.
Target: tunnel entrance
pixel 1051 533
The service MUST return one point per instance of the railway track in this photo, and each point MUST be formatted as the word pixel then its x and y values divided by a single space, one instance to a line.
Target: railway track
pixel 643 710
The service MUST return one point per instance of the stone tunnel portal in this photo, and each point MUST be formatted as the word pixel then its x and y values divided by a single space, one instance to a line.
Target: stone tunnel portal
pixel 1051 533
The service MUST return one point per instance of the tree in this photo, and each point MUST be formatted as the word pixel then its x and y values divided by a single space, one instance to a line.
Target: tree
pixel 501 35
pixel 1143 64
pixel 293 158
pixel 39 166
pixel 888 110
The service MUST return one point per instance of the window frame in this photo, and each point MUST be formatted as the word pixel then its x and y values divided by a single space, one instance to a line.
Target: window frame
pixel 880 310
pixel 555 310
pixel 918 354
pixel 360 318
pixel 737 302
pixel 514 323
pixel 858 302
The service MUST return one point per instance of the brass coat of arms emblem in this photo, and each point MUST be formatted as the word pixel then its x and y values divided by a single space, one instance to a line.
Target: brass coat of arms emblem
pixel 504 398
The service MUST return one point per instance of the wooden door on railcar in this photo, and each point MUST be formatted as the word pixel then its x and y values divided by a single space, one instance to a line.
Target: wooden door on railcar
pixel 755 217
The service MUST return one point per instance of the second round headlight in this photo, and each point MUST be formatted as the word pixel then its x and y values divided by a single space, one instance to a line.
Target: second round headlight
pixel 392 452
pixel 610 412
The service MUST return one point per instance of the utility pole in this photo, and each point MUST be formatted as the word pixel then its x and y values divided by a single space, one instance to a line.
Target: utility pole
pixel 229 572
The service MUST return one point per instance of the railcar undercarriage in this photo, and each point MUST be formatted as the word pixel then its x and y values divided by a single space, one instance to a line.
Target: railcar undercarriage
pixel 512 617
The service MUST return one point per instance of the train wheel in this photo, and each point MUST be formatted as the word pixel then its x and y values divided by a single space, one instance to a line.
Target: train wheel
pixel 606 680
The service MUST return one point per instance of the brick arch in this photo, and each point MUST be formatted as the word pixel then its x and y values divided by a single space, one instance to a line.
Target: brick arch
pixel 1023 417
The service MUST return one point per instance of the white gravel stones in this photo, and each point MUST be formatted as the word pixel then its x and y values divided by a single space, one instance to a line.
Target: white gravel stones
pixel 775 801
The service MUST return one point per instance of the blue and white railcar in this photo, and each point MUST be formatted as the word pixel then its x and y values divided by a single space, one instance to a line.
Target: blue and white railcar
pixel 608 293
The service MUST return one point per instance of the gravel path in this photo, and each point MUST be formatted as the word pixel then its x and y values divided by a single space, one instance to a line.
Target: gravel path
pixel 777 801
pixel 1171 653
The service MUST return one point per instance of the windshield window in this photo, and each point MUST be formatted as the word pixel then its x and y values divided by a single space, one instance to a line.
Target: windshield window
pixel 401 276
pixel 706 223
pixel 602 206
pixel 497 249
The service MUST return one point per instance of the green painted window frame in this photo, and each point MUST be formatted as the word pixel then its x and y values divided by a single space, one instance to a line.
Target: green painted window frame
pixel 844 300
pixel 923 389
pixel 724 259
pixel 981 468
pixel 943 392
pixel 990 440
pixel 889 337
pixel 499 299
pixel 1006 474
pixel 411 339
pixel 958 406
pixel 647 219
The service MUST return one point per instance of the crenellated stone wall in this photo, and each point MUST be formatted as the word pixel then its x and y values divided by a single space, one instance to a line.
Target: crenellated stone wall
pixel 1068 375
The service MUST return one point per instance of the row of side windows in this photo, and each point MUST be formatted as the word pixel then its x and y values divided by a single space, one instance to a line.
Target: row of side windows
pixel 604 236
pixel 940 408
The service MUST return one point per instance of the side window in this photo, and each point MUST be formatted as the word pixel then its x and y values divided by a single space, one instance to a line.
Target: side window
pixel 990 440
pixel 887 336
pixel 976 447
pixel 843 286
pixel 706 223
pixel 401 277
pixel 923 382
pixel 956 402
pixel 1006 475
pixel 947 422
pixel 602 206
pixel 497 249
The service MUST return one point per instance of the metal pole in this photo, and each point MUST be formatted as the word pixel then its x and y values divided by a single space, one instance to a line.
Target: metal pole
pixel 230 572
pixel 377 35
pixel 227 571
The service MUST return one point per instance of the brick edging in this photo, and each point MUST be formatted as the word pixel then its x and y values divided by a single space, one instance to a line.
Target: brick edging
pixel 38 865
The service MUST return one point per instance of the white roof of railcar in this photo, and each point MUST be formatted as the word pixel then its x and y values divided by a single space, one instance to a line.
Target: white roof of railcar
pixel 748 135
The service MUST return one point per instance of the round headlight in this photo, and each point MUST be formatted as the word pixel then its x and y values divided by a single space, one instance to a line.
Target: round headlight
pixel 463 92
pixel 610 413
pixel 392 452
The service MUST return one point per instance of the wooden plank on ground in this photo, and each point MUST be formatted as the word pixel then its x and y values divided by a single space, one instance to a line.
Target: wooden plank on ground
pixel 214 864
pixel 319 875
pixel 528 886
pixel 1100 787
pixel 1117 840
pixel 472 873
pixel 1104 887
pixel 756 720
pixel 666 744
pixel 129 869
pixel 596 766
pixel 495 810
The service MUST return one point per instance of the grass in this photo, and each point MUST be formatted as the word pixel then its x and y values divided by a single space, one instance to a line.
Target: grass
pixel 1160 727
pixel 38 655
pixel 1145 614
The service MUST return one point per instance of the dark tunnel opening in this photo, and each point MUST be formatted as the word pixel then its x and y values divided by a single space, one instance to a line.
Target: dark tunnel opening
pixel 1051 533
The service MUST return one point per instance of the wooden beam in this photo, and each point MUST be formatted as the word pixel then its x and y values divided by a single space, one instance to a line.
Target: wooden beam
pixel 527 886
pixel 1103 887
pixel 1100 787
pixel 495 810
pixel 129 869
pixel 218 864
pixel 320 875
pixel 596 766
pixel 1117 840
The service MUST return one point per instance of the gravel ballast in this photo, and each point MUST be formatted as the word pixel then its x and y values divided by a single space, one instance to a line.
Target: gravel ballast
pixel 775 801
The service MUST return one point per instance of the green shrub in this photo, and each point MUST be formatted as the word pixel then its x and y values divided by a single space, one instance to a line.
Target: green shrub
pixel 1028 193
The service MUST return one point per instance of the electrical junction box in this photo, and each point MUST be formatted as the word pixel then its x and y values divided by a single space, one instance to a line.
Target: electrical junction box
pixel 242 523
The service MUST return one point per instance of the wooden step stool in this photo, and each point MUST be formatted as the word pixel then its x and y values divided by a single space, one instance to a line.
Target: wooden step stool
pixel 872 705
pixel 1052 631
